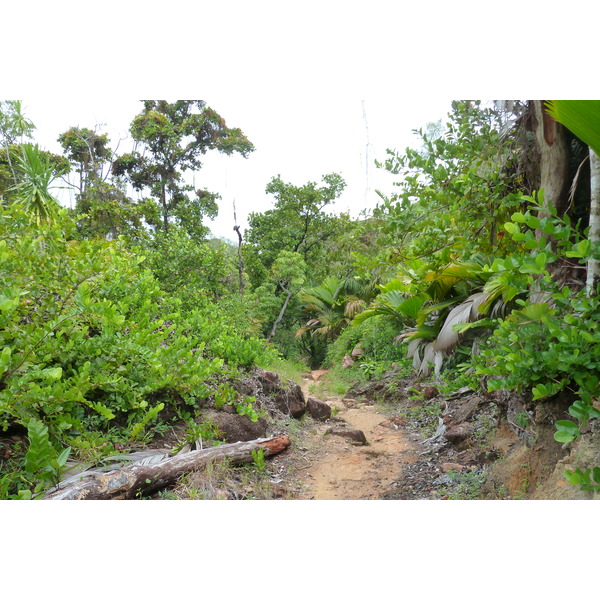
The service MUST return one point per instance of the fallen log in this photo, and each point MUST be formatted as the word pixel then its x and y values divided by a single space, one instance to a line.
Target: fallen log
pixel 130 481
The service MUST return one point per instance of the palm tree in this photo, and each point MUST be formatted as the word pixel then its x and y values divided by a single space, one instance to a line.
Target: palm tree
pixel 459 298
pixel 333 304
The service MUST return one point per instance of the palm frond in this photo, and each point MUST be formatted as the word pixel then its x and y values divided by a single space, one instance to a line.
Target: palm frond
pixel 395 305
pixel 413 351
pixel 461 328
pixel 465 312
pixel 430 356
pixel 353 307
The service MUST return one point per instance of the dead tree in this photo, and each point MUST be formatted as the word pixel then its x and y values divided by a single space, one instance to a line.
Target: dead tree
pixel 236 228
pixel 149 476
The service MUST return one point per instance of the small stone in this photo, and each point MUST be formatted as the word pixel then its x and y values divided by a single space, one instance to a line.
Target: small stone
pixel 238 428
pixel 318 410
pixel 356 435
pixel 430 392
pixel 316 375
pixel 291 401
pixel 347 362
pixel 451 467
pixel 457 433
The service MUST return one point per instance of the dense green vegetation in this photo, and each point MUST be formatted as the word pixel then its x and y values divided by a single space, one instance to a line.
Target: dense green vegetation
pixel 119 316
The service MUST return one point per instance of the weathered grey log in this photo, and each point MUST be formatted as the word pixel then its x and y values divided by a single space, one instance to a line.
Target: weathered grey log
pixel 438 436
pixel 129 481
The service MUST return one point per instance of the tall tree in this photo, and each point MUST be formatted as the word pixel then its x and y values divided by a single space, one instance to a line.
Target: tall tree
pixel 290 271
pixel 552 146
pixel 297 222
pixel 88 150
pixel 174 137
pixel 102 204
pixel 593 271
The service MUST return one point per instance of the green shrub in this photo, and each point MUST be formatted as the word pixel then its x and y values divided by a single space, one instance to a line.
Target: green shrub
pixel 376 337
pixel 552 343
pixel 88 338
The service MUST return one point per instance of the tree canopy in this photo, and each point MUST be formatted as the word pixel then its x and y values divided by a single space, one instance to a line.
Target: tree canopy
pixel 174 137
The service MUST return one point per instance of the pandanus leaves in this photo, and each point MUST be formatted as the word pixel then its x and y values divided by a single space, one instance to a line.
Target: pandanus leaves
pixel 36 175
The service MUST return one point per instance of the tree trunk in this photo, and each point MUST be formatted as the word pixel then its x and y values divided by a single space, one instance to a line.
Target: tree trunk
pixel 551 143
pixel 163 199
pixel 130 481
pixel 593 267
pixel 240 261
pixel 236 228
pixel 281 313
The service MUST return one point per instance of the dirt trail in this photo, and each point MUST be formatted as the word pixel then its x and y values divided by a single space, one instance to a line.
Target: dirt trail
pixel 479 455
pixel 340 469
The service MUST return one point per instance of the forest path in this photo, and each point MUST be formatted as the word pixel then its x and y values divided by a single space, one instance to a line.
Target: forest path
pixel 336 468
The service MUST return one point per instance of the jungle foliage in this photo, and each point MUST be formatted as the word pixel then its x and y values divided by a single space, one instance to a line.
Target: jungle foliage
pixel 120 315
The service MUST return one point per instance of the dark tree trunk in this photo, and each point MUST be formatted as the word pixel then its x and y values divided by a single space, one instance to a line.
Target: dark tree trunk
pixel 593 267
pixel 240 261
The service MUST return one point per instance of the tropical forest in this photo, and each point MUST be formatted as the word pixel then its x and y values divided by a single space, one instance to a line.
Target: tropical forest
pixel 444 345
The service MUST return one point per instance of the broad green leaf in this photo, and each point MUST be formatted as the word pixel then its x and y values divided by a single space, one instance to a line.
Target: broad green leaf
pixel 54 373
pixel 540 260
pixel 586 336
pixel 4 359
pixel 512 228
pixel 572 477
pixel 102 410
pixel 63 456
pixel 581 250
pixel 582 117
pixel 564 437
pixel 529 244
pixel 567 431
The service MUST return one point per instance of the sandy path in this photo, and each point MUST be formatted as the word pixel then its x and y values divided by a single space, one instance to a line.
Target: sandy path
pixel 342 470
